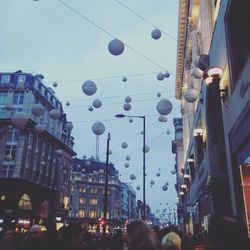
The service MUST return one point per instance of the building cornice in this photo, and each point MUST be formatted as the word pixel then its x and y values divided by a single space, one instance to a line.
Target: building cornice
pixel 182 25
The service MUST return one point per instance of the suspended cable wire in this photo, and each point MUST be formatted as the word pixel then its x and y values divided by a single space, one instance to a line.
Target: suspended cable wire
pixel 109 34
pixel 144 19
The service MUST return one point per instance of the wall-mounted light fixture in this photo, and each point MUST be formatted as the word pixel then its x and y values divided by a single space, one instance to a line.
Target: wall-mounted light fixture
pixel 186 176
pixel 181 193
pixel 190 160
pixel 184 186
pixel 197 132
pixel 215 72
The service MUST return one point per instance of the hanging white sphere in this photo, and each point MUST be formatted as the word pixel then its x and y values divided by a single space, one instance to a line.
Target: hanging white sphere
pixel 88 163
pixel 147 148
pixel 159 94
pixel 124 79
pixel 130 120
pixel 156 34
pixel 110 152
pixel 168 132
pixel 196 72
pixel 128 99
pixel 8 107
pixel 167 75
pixel 55 84
pixel 8 157
pixel 132 177
pixel 160 76
pixel 101 171
pixel 138 188
pixel 67 104
pixel 152 182
pixel 116 47
pixel 126 165
pixel 40 128
pixel 164 187
pixel 97 103
pixel 98 128
pixel 59 152
pixel 164 106
pixel 128 158
pixel 127 106
pixel 19 119
pixel 37 109
pixel 54 114
pixel 91 108
pixel 158 174
pixel 173 171
pixel 89 87
pixel 124 145
pixel 191 95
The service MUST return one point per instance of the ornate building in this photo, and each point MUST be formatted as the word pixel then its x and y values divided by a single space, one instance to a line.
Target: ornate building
pixel 87 194
pixel 36 149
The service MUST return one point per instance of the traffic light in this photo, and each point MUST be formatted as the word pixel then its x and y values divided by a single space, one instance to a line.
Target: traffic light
pixel 102 221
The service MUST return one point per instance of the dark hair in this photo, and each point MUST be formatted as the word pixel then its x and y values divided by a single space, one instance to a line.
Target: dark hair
pixel 141 237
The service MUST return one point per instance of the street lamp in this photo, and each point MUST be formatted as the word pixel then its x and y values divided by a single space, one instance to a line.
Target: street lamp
pixel 144 166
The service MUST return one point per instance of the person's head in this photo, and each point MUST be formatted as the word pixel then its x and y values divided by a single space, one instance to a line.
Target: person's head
pixel 140 236
pixel 171 241
pixel 226 233
pixel 35 231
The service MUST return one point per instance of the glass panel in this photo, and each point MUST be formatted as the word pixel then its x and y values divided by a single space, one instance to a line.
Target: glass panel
pixel 5 79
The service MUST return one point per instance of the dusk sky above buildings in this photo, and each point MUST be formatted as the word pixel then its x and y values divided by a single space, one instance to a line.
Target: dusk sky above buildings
pixel 46 37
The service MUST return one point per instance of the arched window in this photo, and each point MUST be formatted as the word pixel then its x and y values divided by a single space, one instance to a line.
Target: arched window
pixel 25 202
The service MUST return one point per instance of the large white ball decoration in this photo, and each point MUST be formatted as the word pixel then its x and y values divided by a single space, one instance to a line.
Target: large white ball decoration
pixel 97 103
pixel 147 148
pixel 54 114
pixel 87 163
pixel 8 157
pixel 158 174
pixel 127 106
pixel 37 109
pixel 164 187
pixel 159 94
pixel 196 73
pixel 128 99
pixel 164 106
pixel 55 84
pixel 89 87
pixel 191 95
pixel 40 128
pixel 126 165
pixel 168 132
pixel 152 182
pixel 19 119
pixel 138 188
pixel 167 75
pixel 160 76
pixel 128 158
pixel 101 171
pixel 156 34
pixel 98 128
pixel 67 104
pixel 116 47
pixel 91 108
pixel 130 120
pixel 59 152
pixel 132 177
pixel 124 79
pixel 124 145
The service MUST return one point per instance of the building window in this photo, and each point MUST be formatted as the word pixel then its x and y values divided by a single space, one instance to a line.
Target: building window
pixel 21 79
pixel 93 201
pixel 7 171
pixel 238 37
pixel 94 190
pixel 11 150
pixel 92 214
pixel 82 190
pixel 82 200
pixel 5 79
pixel 12 135
pixel 3 98
pixel 18 98
pixel 81 213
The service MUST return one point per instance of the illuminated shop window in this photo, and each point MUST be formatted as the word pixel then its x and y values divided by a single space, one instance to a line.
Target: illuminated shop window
pixel 82 190
pixel 92 214
pixel 93 201
pixel 25 202
pixel 81 213
pixel 82 200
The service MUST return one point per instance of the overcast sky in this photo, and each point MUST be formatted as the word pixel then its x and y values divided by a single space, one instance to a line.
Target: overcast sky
pixel 45 37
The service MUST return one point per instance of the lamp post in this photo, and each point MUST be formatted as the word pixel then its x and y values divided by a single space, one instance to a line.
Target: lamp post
pixel 106 187
pixel 144 165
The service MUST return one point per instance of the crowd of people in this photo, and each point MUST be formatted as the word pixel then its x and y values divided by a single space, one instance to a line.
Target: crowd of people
pixel 224 234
